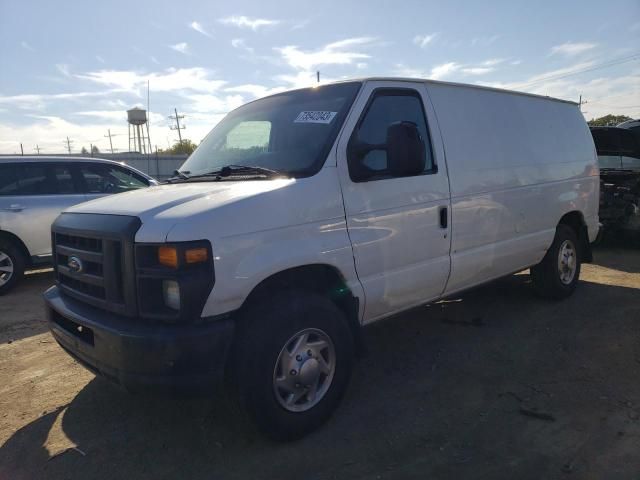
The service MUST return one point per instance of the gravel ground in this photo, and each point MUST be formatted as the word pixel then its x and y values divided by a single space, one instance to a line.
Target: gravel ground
pixel 494 384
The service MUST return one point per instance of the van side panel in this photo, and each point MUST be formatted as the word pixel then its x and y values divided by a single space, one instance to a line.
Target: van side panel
pixel 516 165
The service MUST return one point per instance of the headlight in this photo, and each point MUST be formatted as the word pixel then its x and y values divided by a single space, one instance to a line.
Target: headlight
pixel 174 279
pixel 171 294
pixel 173 257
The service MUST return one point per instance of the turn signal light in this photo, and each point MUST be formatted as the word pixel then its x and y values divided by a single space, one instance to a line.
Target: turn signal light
pixel 196 255
pixel 168 256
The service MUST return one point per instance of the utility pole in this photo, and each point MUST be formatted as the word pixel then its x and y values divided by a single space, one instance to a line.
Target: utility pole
pixel 69 142
pixel 110 142
pixel 318 76
pixel 37 149
pixel 21 149
pixel 177 125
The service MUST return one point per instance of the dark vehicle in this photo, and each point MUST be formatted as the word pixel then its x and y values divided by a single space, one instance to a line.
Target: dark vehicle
pixel 619 160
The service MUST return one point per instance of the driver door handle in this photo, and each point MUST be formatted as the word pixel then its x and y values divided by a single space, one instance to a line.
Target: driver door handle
pixel 444 217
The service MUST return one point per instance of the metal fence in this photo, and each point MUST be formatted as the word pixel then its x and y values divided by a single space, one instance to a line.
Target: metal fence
pixel 159 166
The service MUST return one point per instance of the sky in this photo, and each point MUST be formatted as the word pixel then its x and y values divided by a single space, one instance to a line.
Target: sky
pixel 73 68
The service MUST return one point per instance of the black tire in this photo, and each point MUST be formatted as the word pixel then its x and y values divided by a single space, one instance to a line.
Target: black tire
pixel 16 260
pixel 263 331
pixel 546 276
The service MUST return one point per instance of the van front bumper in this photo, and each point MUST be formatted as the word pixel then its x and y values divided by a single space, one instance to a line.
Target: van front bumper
pixel 137 354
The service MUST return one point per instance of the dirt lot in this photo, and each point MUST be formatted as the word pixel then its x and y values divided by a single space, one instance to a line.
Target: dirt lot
pixel 496 384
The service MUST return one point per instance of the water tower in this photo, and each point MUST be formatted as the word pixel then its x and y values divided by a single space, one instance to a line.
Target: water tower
pixel 137 118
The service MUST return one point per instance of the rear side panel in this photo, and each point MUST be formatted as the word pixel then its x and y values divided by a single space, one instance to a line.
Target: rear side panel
pixel 517 164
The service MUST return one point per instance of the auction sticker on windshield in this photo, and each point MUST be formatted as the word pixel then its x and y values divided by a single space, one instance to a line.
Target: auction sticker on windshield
pixel 315 117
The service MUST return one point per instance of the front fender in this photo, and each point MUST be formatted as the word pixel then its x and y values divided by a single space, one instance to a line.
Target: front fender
pixel 242 262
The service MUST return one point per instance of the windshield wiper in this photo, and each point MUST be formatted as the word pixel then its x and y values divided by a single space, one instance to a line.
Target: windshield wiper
pixel 178 175
pixel 240 171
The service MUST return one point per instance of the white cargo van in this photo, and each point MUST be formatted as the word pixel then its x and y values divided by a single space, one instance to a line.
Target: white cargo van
pixel 304 216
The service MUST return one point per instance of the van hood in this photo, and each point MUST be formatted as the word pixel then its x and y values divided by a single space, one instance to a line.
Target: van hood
pixel 229 207
pixel 149 202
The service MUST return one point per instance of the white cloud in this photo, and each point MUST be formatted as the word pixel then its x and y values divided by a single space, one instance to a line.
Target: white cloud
pixel 39 101
pixel 558 72
pixel 111 115
pixel 570 49
pixel 196 79
pixel 182 47
pixel 241 44
pixel 246 22
pixel 444 70
pixel 199 28
pixel 484 41
pixel 256 91
pixel 477 70
pixel 336 53
pixel 493 62
pixel 63 68
pixel 26 46
pixel 361 65
pixel 423 40
pixel 213 104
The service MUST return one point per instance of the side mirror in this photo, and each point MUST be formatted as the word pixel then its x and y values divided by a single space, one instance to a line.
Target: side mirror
pixel 405 149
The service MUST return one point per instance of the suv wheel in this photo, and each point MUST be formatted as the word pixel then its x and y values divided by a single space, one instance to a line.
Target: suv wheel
pixel 293 362
pixel 557 275
pixel 12 264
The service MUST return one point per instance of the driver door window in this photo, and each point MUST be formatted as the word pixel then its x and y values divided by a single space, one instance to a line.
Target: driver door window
pixel 386 108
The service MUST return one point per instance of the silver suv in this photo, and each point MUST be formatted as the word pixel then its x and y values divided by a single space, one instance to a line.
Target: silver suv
pixel 34 190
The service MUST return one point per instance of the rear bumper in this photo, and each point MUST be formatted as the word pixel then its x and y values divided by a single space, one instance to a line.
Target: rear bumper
pixel 136 354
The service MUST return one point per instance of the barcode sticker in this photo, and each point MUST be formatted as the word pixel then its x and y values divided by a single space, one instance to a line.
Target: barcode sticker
pixel 315 117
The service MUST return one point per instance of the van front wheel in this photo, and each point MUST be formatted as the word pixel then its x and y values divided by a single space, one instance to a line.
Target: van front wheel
pixel 557 275
pixel 293 362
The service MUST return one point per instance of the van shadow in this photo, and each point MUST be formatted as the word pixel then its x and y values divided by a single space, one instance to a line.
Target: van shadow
pixel 22 309
pixel 428 400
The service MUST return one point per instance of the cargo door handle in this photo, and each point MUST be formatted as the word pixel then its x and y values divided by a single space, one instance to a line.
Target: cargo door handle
pixel 444 217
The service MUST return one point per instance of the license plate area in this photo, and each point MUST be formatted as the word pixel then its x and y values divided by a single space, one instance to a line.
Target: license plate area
pixel 79 331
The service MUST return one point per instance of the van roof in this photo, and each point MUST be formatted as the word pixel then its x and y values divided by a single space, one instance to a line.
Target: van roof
pixel 455 84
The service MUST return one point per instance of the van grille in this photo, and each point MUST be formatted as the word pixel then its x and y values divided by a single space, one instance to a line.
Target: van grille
pixel 96 267
pixel 89 281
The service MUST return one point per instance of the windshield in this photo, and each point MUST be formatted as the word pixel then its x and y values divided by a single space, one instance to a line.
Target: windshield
pixel 291 132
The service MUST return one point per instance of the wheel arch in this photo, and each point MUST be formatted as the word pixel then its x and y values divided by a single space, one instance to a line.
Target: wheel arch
pixel 319 278
pixel 575 220
pixel 10 237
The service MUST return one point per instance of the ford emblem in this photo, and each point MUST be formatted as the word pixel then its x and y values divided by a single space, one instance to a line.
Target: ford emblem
pixel 75 264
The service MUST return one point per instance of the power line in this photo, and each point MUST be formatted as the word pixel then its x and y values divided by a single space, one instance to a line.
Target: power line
pixel 591 68
pixel 177 126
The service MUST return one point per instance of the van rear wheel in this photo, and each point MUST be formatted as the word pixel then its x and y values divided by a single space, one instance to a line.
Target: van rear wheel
pixel 293 362
pixel 557 275
pixel 12 265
